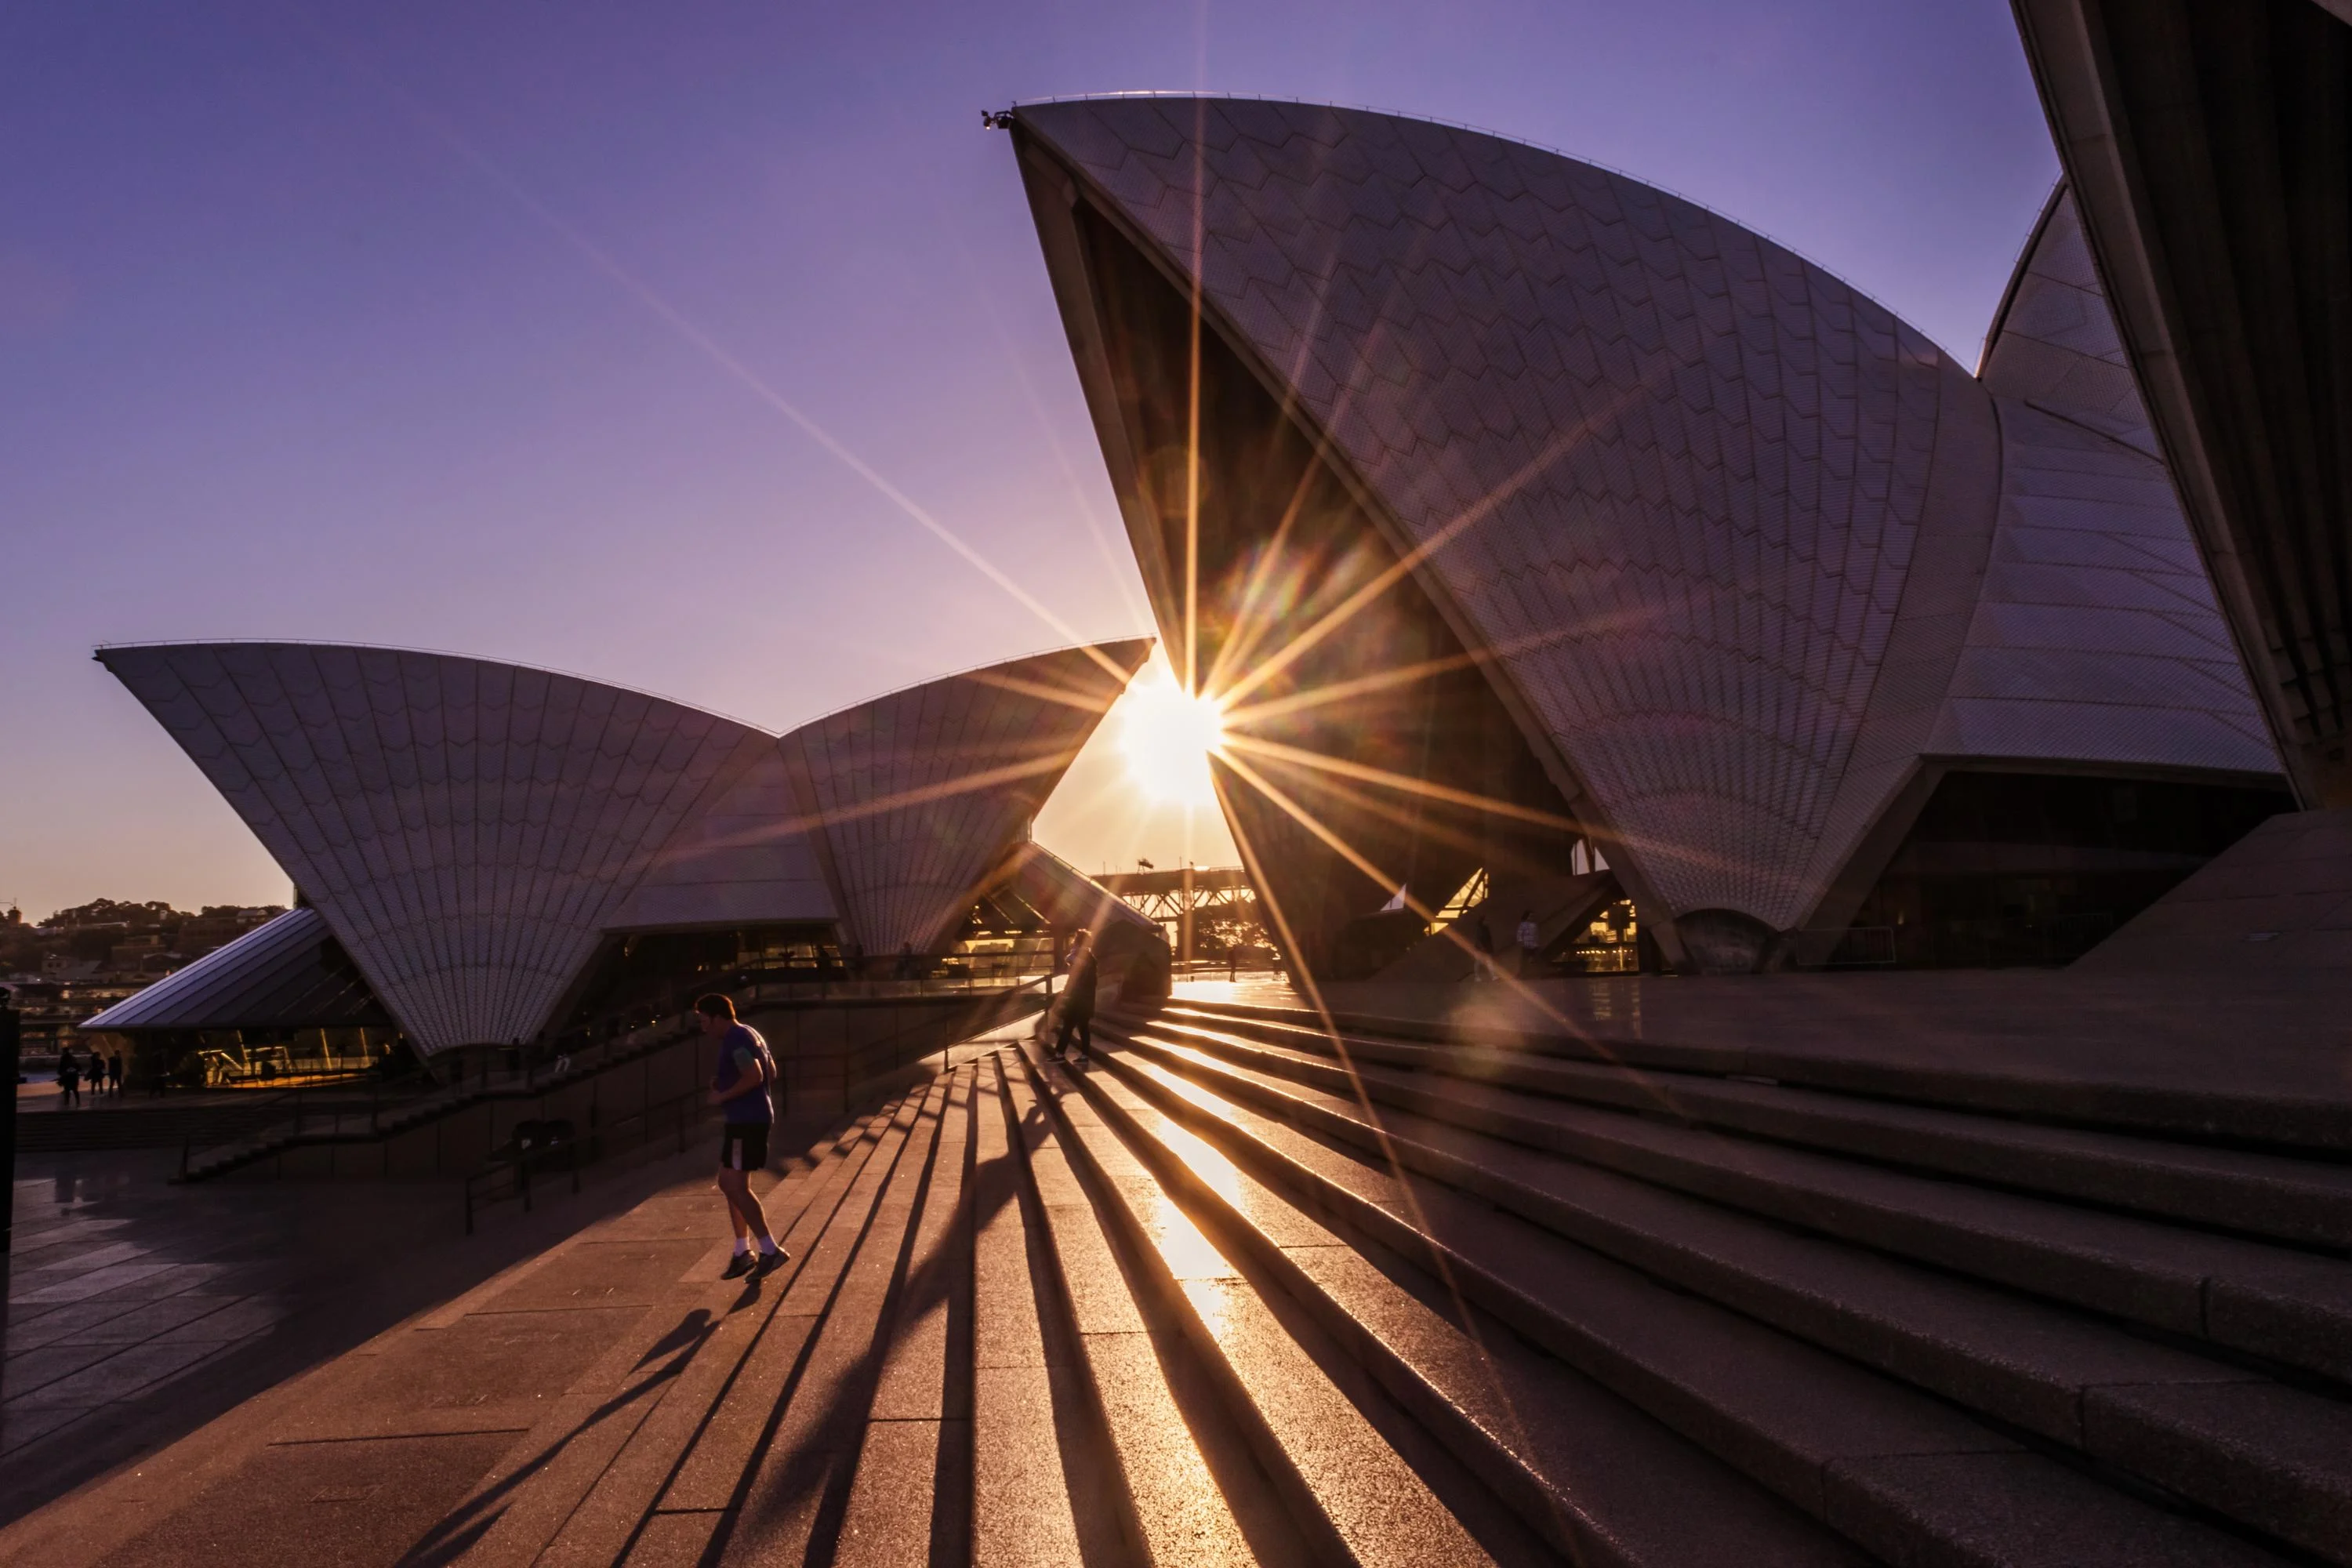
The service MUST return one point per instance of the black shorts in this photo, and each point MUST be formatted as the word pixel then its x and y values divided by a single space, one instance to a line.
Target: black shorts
pixel 743 1146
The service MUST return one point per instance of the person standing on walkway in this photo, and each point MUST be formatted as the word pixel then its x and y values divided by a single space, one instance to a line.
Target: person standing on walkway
pixel 1078 999
pixel 69 1076
pixel 739 1089
pixel 1531 944
pixel 114 1075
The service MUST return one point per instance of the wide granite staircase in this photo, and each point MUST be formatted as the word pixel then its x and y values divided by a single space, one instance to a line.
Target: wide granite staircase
pixel 1245 1290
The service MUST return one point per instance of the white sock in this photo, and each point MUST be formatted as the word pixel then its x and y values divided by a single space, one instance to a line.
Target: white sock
pixel 742 1247
pixel 768 1245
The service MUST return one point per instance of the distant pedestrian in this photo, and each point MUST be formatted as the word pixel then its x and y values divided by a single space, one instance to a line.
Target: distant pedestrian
pixel 1531 944
pixel 68 1075
pixel 1482 961
pixel 747 1069
pixel 114 1075
pixel 1077 1001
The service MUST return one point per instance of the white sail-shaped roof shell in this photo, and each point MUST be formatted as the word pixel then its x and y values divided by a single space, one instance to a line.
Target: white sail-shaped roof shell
pixel 919 796
pixel 470 831
pixel 1723 522
pixel 2097 638
pixel 466 829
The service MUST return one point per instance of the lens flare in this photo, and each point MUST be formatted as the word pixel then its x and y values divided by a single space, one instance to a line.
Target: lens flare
pixel 1166 735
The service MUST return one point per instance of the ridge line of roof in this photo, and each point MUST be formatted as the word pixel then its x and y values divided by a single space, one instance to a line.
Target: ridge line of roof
pixel 975 669
pixel 100 649
pixel 2017 269
pixel 1643 180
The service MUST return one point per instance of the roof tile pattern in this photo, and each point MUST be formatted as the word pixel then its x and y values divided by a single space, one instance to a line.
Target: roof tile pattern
pixel 741 858
pixel 2096 636
pixel 465 828
pixel 1676 465
pixel 2055 343
pixel 918 795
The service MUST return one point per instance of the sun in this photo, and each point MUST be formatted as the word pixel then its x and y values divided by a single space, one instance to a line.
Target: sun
pixel 1167 734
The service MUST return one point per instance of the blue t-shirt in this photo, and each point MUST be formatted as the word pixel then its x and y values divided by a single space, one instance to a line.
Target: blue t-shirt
pixel 741 1050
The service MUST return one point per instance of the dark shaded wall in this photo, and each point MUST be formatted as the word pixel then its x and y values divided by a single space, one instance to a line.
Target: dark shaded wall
pixel 2037 869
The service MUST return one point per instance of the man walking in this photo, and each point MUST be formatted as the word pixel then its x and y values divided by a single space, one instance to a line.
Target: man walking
pixel 1531 944
pixel 1077 1003
pixel 69 1076
pixel 739 1089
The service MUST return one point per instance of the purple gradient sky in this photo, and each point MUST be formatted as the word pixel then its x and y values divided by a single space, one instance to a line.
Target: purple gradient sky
pixel 293 342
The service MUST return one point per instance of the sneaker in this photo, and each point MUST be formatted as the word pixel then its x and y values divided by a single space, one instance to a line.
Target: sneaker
pixel 740 1265
pixel 771 1261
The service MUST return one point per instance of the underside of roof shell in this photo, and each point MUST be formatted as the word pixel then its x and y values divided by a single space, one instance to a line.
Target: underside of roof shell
pixel 1723 520
pixel 287 973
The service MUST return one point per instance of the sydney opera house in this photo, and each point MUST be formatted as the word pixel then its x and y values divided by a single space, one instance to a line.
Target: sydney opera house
pixel 1548 543
pixel 486 855
pixel 1544 533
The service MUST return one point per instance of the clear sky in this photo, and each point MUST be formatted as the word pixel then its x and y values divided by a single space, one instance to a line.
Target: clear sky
pixel 474 326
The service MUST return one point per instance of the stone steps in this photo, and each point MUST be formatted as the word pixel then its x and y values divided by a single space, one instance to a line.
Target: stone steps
pixel 1347 1493
pixel 2303 1201
pixel 2196 1419
pixel 1030 1318
pixel 1218 1297
pixel 1579 1468
pixel 2288 1305
pixel 1848 1061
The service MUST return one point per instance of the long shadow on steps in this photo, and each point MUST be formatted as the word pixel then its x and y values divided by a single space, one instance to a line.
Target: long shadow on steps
pixel 1282 1379
pixel 2209 1434
pixel 1101 1507
pixel 489 1506
pixel 1248 1502
pixel 1574 1463
pixel 820 1467
pixel 1831 1437
pixel 453 1536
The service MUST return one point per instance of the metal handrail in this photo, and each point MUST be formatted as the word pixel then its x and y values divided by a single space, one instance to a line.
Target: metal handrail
pixel 583 1061
pixel 599 1142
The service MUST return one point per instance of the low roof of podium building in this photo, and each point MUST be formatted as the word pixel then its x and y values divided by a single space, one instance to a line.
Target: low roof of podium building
pixel 469 832
pixel 1742 562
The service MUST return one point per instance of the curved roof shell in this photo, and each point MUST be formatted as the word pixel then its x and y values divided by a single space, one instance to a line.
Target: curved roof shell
pixel 469 830
pixel 287 973
pixel 1721 521
pixel 2098 637
pixel 918 795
